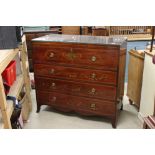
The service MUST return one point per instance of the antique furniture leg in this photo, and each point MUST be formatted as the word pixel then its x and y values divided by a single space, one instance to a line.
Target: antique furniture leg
pixel 121 107
pixel 121 98
pixel 130 101
pixel 38 108
pixel 144 125
pixel 113 122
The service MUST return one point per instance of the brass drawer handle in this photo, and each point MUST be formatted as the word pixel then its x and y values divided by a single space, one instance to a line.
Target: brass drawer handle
pixel 93 58
pixel 93 75
pixel 53 84
pixel 51 71
pixel 92 91
pixel 51 55
pixel 93 106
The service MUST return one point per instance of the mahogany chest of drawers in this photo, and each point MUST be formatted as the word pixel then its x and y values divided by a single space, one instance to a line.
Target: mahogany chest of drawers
pixel 84 74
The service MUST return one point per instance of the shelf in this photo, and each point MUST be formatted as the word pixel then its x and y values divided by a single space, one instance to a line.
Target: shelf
pixel 17 86
pixel 10 110
pixel 1 123
pixel 6 56
pixel 14 91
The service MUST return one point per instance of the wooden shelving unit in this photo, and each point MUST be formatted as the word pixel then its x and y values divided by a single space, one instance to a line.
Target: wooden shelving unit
pixel 6 107
pixel 135 76
pixel 14 91
pixel 27 107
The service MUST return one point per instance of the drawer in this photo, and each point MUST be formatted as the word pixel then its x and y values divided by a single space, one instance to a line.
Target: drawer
pixel 78 104
pixel 76 88
pixel 77 74
pixel 84 57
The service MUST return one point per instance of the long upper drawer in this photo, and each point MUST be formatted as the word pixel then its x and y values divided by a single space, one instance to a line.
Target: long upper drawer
pixel 87 106
pixel 77 74
pixel 76 88
pixel 101 58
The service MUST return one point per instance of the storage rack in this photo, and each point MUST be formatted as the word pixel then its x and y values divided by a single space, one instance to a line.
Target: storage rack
pixel 6 107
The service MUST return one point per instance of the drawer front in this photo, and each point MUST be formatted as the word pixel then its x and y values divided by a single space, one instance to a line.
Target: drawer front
pixel 79 104
pixel 86 57
pixel 76 88
pixel 78 74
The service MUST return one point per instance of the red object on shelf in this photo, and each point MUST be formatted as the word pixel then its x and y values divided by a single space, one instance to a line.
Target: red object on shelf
pixel 9 74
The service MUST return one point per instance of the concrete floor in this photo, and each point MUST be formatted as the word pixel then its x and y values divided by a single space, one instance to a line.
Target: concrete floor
pixel 52 119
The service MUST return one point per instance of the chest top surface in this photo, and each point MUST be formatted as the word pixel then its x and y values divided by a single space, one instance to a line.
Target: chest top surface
pixel 83 39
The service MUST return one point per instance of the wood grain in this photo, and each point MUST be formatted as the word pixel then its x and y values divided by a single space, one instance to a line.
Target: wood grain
pixel 76 74
pixel 135 75
pixel 101 58
pixel 75 103
pixel 76 88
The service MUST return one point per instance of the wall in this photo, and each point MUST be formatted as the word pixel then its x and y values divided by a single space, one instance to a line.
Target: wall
pixel 148 88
